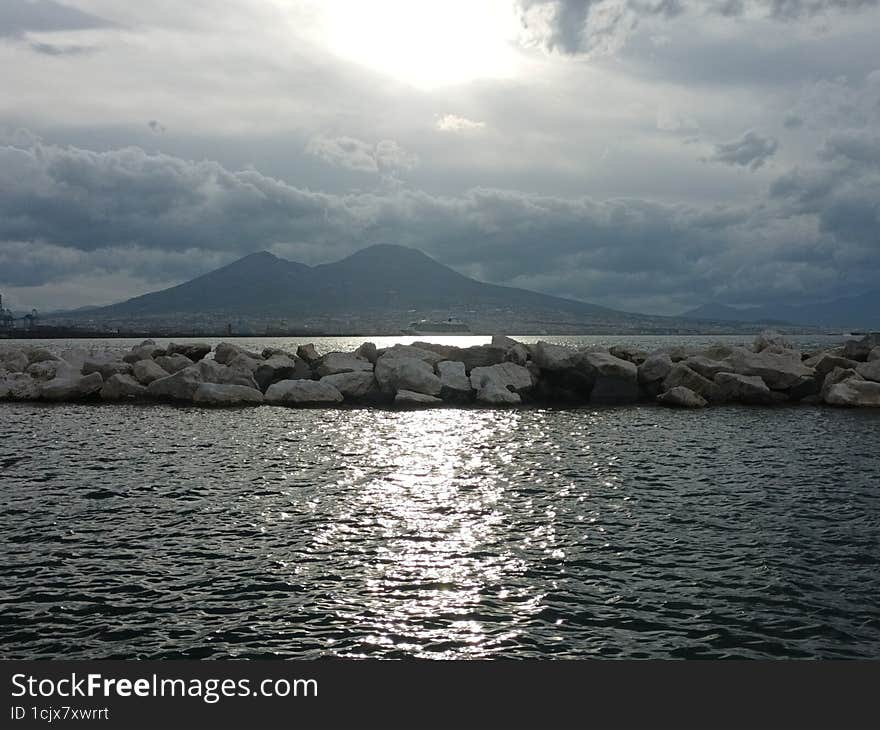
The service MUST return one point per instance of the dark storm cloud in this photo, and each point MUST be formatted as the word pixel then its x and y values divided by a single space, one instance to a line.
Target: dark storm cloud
pixel 18 17
pixel 751 150
pixel 582 26
pixel 69 211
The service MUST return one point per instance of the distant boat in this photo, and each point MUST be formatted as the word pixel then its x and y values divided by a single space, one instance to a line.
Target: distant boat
pixel 442 327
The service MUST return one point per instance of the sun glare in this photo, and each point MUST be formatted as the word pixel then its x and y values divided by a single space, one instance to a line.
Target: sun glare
pixel 424 44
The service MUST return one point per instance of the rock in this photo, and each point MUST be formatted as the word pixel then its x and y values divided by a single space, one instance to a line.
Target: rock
pixel 505 375
pixel 410 398
pixel 855 393
pixel 718 351
pixel 874 354
pixel 455 386
pixel 395 372
pixel 616 380
pixel 214 372
pixel 173 363
pixel 341 362
pixel 71 388
pixel 107 368
pixel 681 397
pixel 244 362
pixel 215 394
pixel 806 387
pixel 772 340
pixel 681 374
pixel 494 394
pixel 180 386
pixel 226 351
pixel 748 389
pixel 14 360
pixel 195 351
pixel 50 369
pixel 368 352
pixel 778 370
pixel 861 349
pixel 146 371
pixel 868 370
pixel 655 367
pixel 555 357
pixel 302 392
pixel 424 351
pixel 356 386
pixel 706 367
pixel 19 386
pixel 503 342
pixel 121 386
pixel 838 375
pixel 628 352
pixel 308 353
pixel 144 351
pixel 518 354
pixel 281 367
pixel 678 353
pixel 825 362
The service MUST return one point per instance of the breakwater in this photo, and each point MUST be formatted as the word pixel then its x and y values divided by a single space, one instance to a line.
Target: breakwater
pixel 503 373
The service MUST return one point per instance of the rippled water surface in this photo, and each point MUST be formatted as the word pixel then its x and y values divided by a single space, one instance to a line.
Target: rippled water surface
pixel 160 532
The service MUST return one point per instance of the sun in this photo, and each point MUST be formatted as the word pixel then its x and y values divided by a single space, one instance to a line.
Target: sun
pixel 424 44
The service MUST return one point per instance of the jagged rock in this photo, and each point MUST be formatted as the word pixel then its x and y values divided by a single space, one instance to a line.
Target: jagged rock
pixel 518 354
pixel 180 386
pixel 244 362
pixel 503 342
pixel 681 374
pixel 121 386
pixel 356 386
pixel 368 351
pixel 681 397
pixel 14 360
pixel 806 387
pixel 749 389
pixel 410 398
pixel 632 354
pixel 678 353
pixel 107 368
pixel 302 392
pixel 19 386
pixel 424 351
pixel 308 353
pixel 72 387
pixel 146 371
pixel 861 349
pixel 494 394
pixel 868 370
pixel 226 351
pixel 505 375
pixel 706 367
pixel 395 372
pixel 716 352
pixel 838 375
pixel 455 386
pixel 778 370
pixel 874 354
pixel 342 362
pixel 771 340
pixel 214 372
pixel 616 380
pixel 854 392
pixel 173 363
pixel 50 369
pixel 215 394
pixel 555 357
pixel 281 367
pixel 655 367
pixel 195 351
pixel 144 351
pixel 825 362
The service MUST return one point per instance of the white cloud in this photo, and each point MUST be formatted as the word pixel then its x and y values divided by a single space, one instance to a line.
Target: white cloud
pixel 455 123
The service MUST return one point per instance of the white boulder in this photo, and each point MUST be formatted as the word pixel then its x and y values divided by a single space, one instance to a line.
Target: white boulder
pixel 870 370
pixel 779 370
pixel 216 394
pixel 655 367
pixel 302 392
pixel 334 363
pixel 454 382
pixel 749 389
pixel 173 363
pixel 71 387
pixel 396 372
pixel 147 370
pixel 681 397
pixel 122 386
pixel 855 393
pixel 19 386
pixel 353 386
pixel 616 380
pixel 182 385
pixel 411 398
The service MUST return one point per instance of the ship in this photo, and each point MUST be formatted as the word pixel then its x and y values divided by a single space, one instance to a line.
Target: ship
pixel 450 326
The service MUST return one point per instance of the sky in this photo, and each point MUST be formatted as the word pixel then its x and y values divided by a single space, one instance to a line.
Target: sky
pixel 646 155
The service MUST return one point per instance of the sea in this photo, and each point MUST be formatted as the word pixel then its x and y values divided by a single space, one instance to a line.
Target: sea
pixel 160 532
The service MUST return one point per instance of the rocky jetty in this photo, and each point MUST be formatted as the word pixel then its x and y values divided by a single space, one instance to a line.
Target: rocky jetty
pixel 503 373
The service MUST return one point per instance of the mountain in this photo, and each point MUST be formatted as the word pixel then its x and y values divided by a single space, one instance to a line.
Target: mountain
pixel 856 312
pixel 377 290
